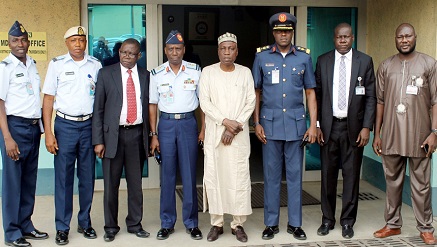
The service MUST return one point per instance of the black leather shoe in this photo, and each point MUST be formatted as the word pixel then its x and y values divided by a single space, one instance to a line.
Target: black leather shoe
pixel 141 233
pixel 109 236
pixel 21 242
pixel 270 232
pixel 324 229
pixel 36 235
pixel 61 238
pixel 297 232
pixel 89 233
pixel 164 233
pixel 214 233
pixel 195 233
pixel 347 231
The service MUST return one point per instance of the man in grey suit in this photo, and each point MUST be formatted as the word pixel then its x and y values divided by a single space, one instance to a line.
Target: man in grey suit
pixel 120 135
pixel 346 106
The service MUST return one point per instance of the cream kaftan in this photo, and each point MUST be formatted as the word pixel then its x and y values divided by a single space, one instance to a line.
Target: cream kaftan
pixel 226 180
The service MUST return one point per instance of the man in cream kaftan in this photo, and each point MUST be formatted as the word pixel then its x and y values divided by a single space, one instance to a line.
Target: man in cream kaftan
pixel 227 95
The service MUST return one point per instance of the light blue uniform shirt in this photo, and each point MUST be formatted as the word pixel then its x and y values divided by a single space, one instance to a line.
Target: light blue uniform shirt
pixel 20 87
pixel 175 93
pixel 72 83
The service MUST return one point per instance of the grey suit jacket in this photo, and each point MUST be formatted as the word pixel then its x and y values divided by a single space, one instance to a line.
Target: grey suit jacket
pixel 361 108
pixel 107 107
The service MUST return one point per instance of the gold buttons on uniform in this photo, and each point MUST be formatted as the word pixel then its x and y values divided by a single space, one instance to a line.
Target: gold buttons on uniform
pixel 284 110
pixel 284 65
pixel 284 80
pixel 284 95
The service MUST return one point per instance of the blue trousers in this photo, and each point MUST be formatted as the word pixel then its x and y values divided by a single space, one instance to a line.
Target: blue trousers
pixel 74 142
pixel 275 155
pixel 19 179
pixel 178 145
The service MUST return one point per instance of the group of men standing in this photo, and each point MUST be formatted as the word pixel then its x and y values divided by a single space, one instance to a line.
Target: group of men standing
pixel 112 112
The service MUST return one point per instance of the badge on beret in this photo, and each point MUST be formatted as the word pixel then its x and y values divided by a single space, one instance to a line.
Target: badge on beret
pixel 282 18
pixel 22 28
pixel 179 36
pixel 80 31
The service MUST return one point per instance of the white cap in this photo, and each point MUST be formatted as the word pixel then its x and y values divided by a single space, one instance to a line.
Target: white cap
pixel 75 31
pixel 227 37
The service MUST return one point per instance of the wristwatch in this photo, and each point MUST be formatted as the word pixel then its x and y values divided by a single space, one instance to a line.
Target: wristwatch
pixel 255 124
pixel 434 131
pixel 153 133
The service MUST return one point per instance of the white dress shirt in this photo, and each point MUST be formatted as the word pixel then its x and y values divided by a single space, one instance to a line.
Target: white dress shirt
pixel 348 61
pixel 136 79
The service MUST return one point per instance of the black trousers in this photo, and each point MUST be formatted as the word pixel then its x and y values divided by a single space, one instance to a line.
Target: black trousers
pixel 130 156
pixel 339 153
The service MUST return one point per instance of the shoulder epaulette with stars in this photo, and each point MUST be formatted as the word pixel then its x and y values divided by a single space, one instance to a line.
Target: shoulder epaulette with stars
pixel 264 48
pixel 158 69
pixel 194 66
pixel 303 49
pixel 58 58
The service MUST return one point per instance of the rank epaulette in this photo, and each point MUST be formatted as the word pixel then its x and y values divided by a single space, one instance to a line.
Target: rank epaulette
pixel 264 48
pixel 95 59
pixel 303 49
pixel 158 69
pixel 58 58
pixel 5 62
pixel 194 66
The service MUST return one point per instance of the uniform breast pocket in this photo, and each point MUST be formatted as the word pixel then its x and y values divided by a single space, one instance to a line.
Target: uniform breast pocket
pixel 163 88
pixel 65 82
pixel 266 121
pixel 297 75
pixel 20 81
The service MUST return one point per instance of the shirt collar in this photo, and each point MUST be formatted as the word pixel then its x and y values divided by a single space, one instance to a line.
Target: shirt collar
pixel 16 61
pixel 124 69
pixel 348 55
pixel 183 67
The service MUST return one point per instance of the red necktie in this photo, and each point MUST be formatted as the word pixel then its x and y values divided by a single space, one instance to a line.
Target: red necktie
pixel 131 99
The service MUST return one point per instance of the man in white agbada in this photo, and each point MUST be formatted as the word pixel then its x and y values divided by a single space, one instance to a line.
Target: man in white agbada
pixel 227 97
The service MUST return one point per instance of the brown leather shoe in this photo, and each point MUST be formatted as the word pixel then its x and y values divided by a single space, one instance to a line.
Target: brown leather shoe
pixel 214 233
pixel 240 234
pixel 386 232
pixel 428 237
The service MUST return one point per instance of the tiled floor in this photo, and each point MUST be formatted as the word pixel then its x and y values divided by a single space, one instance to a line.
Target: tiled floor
pixel 370 218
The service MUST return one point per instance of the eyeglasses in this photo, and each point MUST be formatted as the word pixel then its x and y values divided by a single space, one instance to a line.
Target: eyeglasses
pixel 130 55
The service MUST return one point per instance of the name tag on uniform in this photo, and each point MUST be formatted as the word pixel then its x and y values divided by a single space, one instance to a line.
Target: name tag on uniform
pixel 69 73
pixel 360 90
pixel 412 90
pixel 275 76
pixel 19 75
pixel 189 85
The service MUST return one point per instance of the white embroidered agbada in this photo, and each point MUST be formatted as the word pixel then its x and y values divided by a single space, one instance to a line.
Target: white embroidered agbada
pixel 226 181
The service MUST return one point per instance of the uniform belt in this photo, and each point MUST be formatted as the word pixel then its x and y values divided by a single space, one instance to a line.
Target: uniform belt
pixel 32 121
pixel 126 127
pixel 74 118
pixel 340 119
pixel 177 115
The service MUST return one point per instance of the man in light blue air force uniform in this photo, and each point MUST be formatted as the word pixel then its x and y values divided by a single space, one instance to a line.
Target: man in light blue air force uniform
pixel 71 80
pixel 20 113
pixel 282 72
pixel 174 91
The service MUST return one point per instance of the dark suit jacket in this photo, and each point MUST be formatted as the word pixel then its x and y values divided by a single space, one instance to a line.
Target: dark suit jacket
pixel 107 107
pixel 361 108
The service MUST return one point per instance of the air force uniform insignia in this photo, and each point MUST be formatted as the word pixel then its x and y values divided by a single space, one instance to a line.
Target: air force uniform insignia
pixel 193 66
pixel 158 69
pixel 303 49
pixel 264 48
pixel 58 58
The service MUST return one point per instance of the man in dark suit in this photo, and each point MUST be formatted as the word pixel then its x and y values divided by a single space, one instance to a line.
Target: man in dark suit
pixel 120 135
pixel 346 111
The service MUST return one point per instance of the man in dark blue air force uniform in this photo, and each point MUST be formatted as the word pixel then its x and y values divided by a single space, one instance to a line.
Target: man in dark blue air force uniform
pixel 281 72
